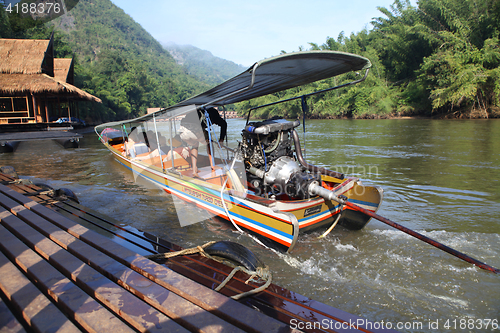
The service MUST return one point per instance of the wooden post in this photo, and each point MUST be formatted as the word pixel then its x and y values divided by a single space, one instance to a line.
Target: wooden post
pixel 34 107
pixel 46 110
pixel 69 110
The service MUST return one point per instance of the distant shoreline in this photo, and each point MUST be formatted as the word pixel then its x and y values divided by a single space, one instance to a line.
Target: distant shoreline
pixel 471 116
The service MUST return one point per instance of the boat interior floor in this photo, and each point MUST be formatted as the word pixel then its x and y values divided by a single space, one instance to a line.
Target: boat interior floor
pixel 205 172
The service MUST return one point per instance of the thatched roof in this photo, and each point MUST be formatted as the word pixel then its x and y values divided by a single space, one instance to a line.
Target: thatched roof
pixel 15 84
pixel 24 56
pixel 62 67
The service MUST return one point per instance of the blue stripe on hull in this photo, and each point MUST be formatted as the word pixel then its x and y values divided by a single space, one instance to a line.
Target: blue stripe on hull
pixel 216 208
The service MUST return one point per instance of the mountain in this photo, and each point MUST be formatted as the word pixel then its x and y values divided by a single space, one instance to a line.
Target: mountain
pixel 203 65
pixel 120 62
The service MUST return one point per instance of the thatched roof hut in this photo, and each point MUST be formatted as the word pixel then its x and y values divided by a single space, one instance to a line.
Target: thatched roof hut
pixel 26 56
pixel 15 84
pixel 28 66
pixel 64 70
pixel 35 87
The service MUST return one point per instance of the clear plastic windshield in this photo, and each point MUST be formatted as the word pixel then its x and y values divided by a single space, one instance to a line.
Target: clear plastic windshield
pixel 182 153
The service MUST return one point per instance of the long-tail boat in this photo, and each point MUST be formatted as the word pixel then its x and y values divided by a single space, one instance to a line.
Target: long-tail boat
pixel 264 185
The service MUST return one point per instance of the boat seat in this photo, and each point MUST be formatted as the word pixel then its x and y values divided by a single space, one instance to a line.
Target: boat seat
pixel 178 163
pixel 118 147
pixel 141 148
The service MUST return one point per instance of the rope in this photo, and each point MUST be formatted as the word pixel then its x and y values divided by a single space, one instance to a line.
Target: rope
pixel 50 193
pixel 261 272
pixel 334 223
pixel 193 250
pixel 17 181
pixel 223 188
pixel 28 182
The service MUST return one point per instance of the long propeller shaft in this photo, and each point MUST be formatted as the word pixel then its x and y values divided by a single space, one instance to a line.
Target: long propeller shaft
pixel 329 195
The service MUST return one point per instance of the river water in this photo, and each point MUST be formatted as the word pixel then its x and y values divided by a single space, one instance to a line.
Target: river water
pixel 440 178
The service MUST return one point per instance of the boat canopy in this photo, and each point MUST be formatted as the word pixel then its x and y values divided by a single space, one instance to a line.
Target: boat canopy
pixel 280 73
pixel 269 76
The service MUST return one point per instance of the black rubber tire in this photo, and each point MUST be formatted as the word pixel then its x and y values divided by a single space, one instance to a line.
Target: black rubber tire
pixel 9 171
pixel 68 193
pixel 236 253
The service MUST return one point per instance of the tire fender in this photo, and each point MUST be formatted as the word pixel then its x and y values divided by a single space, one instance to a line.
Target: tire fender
pixel 235 252
pixel 9 171
pixel 66 192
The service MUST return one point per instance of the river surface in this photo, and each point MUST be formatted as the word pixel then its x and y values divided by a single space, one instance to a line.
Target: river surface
pixel 440 178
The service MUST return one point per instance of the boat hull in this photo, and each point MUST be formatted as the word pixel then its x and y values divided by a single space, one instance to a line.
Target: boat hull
pixel 278 221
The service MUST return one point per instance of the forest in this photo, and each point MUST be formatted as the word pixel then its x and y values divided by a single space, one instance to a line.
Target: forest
pixel 438 59
pixel 115 60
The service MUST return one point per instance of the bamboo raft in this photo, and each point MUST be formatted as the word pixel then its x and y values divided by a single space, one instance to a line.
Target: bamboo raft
pixel 60 272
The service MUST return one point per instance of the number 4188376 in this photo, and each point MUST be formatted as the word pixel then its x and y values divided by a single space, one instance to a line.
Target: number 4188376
pixel 33 8
pixel 472 324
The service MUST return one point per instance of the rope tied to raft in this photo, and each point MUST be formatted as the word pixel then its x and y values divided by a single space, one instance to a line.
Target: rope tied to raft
pixel 17 181
pixel 50 193
pixel 262 273
pixel 193 250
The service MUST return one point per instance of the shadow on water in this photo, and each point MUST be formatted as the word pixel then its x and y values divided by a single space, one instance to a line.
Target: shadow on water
pixel 440 178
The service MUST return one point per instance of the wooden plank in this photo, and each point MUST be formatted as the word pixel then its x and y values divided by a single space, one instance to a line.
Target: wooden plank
pixel 135 311
pixel 8 322
pixel 270 301
pixel 36 309
pixel 86 311
pixel 275 301
pixel 174 306
pixel 4 177
pixel 212 301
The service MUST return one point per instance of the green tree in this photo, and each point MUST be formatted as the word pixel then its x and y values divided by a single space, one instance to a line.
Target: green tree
pixel 462 73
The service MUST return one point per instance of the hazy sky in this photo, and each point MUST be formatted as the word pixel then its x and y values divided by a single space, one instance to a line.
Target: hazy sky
pixel 248 31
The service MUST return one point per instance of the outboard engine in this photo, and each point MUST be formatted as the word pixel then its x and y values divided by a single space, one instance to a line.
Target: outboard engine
pixel 270 162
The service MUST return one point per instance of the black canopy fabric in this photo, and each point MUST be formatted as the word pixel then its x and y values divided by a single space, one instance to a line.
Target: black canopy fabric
pixel 280 73
pixel 268 76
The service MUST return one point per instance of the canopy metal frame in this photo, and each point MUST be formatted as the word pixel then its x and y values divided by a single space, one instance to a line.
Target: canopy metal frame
pixel 310 94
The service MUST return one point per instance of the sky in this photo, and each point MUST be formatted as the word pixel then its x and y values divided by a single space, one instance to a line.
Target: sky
pixel 248 31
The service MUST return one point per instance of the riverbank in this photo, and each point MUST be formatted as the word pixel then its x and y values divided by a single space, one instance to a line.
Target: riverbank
pixel 474 114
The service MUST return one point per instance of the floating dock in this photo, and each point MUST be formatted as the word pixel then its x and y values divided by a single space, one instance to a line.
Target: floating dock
pixel 10 137
pixel 59 272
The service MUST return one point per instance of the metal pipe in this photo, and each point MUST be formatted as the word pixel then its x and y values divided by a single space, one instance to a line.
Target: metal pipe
pixel 308 166
pixel 426 239
pixel 315 189
pixel 313 93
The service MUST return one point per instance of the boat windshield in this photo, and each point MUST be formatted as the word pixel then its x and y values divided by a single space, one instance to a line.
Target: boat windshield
pixel 182 142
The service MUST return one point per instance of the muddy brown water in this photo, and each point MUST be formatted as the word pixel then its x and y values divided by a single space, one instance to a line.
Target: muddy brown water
pixel 440 178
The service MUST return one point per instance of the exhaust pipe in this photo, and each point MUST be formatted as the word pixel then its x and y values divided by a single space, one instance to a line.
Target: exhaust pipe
pixel 308 166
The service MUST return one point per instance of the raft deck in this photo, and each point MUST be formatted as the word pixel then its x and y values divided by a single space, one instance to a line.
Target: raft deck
pixel 60 272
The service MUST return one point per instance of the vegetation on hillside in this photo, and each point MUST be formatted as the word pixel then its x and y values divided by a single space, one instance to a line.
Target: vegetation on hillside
pixel 121 63
pixel 116 60
pixel 440 58
pixel 203 65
